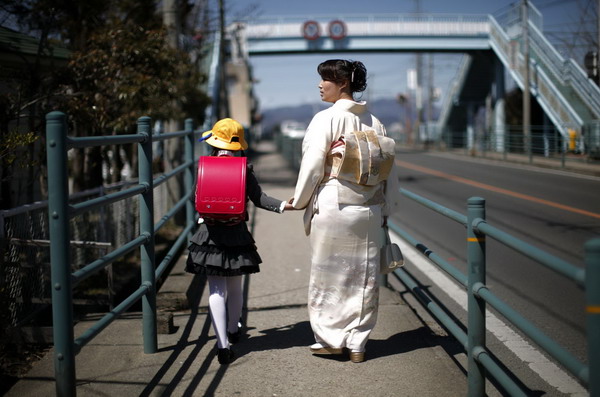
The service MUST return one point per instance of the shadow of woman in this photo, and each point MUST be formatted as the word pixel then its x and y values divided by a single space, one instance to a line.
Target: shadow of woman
pixel 285 337
pixel 300 334
pixel 403 342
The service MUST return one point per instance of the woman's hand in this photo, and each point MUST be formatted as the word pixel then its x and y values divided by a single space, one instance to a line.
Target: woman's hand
pixel 289 206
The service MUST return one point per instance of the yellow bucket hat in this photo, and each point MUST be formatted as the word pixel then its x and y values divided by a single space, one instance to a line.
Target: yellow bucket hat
pixel 226 134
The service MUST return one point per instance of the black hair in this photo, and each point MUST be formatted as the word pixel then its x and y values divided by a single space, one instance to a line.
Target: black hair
pixel 340 71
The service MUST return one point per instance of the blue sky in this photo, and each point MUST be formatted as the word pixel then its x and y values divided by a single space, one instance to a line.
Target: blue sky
pixel 292 79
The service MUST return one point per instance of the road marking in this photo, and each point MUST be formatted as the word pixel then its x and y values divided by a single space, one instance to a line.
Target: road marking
pixel 546 369
pixel 496 189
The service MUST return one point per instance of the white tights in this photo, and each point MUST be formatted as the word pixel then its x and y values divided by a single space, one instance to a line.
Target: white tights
pixel 225 302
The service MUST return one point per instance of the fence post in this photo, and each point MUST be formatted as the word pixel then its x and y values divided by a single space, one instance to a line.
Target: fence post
pixel 592 288
pixel 189 172
pixel 475 306
pixel 58 218
pixel 147 229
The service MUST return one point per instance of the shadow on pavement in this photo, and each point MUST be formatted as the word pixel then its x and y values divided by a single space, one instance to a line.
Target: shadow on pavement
pixel 194 294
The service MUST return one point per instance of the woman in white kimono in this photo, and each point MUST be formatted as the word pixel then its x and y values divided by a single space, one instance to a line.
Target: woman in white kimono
pixel 342 185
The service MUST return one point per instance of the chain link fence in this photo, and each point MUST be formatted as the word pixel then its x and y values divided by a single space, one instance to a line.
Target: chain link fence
pixel 25 260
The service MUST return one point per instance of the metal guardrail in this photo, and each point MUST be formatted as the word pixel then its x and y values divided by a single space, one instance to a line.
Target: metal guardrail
pixel 24 237
pixel 66 347
pixel 566 70
pixel 480 361
pixel 557 107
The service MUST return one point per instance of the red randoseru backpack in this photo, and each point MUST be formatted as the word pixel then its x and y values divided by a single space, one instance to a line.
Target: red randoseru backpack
pixel 221 189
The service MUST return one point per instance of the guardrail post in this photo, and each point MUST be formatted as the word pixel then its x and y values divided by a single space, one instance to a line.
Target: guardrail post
pixel 189 172
pixel 146 204
pixel 58 217
pixel 592 288
pixel 476 306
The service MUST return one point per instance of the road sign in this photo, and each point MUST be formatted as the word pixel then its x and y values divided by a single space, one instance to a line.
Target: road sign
pixel 337 29
pixel 311 30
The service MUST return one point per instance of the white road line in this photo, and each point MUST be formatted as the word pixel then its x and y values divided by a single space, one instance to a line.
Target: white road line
pixel 547 370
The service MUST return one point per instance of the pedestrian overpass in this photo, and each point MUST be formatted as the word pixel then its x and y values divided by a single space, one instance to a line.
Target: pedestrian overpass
pixel 494 49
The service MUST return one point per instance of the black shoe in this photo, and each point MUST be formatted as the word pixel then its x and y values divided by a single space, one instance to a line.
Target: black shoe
pixel 225 356
pixel 235 336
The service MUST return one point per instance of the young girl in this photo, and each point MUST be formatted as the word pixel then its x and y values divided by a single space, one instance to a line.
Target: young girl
pixel 225 250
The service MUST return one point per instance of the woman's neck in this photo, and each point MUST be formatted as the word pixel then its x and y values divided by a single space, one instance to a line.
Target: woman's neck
pixel 346 95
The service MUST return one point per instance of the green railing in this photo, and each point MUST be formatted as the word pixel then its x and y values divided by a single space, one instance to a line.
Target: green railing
pixel 63 280
pixel 480 361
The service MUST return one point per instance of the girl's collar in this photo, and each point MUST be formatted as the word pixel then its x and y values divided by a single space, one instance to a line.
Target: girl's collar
pixel 223 152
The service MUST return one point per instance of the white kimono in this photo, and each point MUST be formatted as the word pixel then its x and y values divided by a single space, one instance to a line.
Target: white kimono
pixel 344 222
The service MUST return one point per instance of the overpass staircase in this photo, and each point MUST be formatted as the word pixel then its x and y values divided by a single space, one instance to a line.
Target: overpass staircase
pixel 560 86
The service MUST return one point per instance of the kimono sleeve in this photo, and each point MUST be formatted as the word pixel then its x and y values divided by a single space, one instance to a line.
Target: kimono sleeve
pixel 314 150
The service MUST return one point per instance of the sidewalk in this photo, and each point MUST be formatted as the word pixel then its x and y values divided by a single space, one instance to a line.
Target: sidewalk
pixel 405 357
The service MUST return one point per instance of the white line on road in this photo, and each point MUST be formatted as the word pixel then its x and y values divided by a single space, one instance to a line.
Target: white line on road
pixel 547 370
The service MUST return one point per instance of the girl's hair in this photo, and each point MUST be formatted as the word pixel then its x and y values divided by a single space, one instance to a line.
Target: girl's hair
pixel 340 71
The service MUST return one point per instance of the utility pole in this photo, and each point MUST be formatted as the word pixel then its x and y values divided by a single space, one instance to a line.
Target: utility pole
pixel 430 89
pixel 526 82
pixel 173 148
pixel 223 107
pixel 419 89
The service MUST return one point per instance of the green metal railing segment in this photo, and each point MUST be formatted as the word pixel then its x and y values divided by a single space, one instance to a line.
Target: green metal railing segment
pixel 63 279
pixel 560 266
pixel 592 289
pixel 481 363
pixel 58 214
pixel 438 260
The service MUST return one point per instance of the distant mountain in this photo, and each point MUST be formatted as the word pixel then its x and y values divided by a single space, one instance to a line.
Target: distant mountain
pixel 388 111
pixel 272 118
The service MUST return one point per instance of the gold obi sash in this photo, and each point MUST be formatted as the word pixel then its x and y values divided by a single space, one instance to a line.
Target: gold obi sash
pixel 361 157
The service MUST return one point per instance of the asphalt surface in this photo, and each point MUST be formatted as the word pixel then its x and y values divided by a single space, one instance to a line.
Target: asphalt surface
pixel 408 353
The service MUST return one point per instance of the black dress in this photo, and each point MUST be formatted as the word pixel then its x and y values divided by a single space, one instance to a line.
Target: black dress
pixel 222 250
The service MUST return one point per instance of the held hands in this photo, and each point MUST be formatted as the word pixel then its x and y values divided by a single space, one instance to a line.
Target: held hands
pixel 288 205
